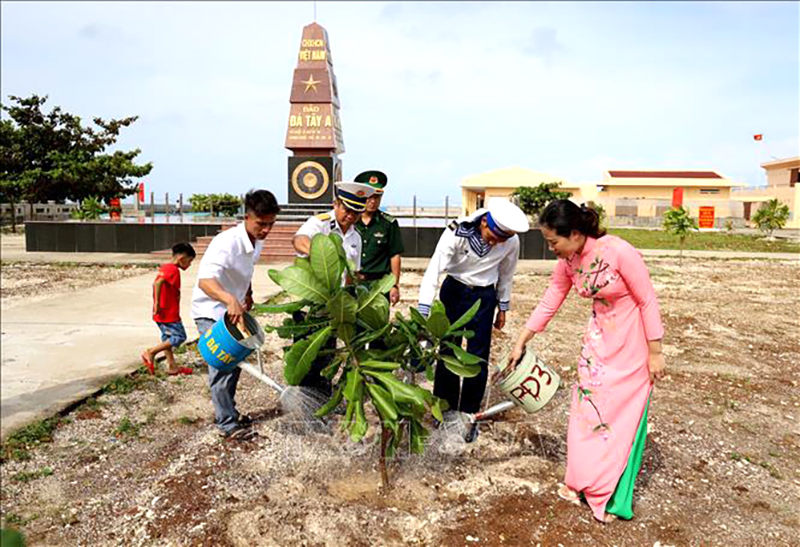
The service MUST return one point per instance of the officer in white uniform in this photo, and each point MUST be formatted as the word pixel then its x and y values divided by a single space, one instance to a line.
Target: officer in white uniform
pixel 350 200
pixel 479 253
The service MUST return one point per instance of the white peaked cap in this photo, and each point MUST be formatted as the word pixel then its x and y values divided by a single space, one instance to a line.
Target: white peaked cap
pixel 508 216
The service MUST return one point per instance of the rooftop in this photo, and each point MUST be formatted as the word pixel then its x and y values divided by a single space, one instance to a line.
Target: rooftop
pixel 678 178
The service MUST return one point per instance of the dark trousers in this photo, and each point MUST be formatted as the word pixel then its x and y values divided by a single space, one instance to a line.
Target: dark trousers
pixel 457 299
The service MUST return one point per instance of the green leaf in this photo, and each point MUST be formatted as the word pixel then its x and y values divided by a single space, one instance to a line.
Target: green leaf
pixel 288 307
pixel 303 264
pixel 463 333
pixel 457 367
pixel 377 290
pixel 464 319
pixel 436 410
pixel 369 336
pixel 325 262
pixel 346 332
pixel 418 436
pixel 332 403
pixel 354 380
pixel 330 371
pixel 401 393
pixel 464 356
pixel 301 356
pixel 275 275
pixel 418 318
pixel 438 323
pixel 383 402
pixel 290 329
pixel 380 365
pixel 302 284
pixel 376 313
pixel 359 426
pixel 342 309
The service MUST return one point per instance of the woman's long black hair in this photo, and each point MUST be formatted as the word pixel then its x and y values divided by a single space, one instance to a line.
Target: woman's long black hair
pixel 564 216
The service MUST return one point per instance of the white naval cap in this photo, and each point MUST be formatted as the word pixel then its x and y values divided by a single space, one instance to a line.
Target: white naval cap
pixel 353 194
pixel 505 219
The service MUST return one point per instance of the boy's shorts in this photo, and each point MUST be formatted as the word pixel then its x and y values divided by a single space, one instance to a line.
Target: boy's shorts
pixel 174 333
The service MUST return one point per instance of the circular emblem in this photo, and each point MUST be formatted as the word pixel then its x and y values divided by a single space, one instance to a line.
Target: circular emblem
pixel 373 179
pixel 310 180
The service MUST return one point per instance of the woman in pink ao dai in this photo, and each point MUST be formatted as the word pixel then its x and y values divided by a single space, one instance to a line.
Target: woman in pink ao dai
pixel 619 362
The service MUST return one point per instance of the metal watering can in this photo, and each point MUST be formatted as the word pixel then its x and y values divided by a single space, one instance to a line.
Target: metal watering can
pixel 530 385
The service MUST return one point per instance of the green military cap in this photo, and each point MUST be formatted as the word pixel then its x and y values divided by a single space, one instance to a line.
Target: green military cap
pixel 376 179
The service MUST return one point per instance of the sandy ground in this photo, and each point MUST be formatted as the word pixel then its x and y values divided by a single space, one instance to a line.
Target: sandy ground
pixel 32 281
pixel 721 466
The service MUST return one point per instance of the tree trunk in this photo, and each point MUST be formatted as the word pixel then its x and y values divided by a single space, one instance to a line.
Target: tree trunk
pixel 384 473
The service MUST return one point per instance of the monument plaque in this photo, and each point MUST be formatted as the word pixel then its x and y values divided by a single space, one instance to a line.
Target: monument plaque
pixel 314 131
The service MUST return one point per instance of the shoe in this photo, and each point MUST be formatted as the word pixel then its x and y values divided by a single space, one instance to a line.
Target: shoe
pixel 472 434
pixel 181 370
pixel 568 494
pixel 151 368
pixel 245 420
pixel 239 434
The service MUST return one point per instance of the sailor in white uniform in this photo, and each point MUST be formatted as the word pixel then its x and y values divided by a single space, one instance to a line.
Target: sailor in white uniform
pixel 350 200
pixel 479 253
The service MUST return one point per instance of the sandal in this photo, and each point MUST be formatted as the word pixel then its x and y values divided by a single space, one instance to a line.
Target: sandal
pixel 568 494
pixel 181 370
pixel 239 434
pixel 608 517
pixel 151 368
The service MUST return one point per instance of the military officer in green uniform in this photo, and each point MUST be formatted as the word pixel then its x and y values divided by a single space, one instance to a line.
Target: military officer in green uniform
pixel 382 244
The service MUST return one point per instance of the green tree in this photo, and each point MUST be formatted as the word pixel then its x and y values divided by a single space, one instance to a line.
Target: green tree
pixel 53 156
pixel 356 315
pixel 601 212
pixel 226 204
pixel 771 216
pixel 91 208
pixel 533 199
pixel 678 222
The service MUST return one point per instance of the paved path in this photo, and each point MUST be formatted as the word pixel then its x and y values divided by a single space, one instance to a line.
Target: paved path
pixel 61 349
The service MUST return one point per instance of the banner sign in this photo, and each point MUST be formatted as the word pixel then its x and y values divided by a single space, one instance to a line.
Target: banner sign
pixel 706 217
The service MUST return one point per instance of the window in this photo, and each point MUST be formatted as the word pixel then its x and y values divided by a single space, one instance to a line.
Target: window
pixel 709 191
pixel 794 177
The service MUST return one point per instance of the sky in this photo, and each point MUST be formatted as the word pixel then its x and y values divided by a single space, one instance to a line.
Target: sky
pixel 431 93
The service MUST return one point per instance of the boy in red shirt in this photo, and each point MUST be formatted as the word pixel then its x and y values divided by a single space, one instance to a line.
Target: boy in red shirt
pixel 166 309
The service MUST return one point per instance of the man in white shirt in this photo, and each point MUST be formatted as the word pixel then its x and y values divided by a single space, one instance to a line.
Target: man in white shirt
pixel 224 286
pixel 350 200
pixel 479 254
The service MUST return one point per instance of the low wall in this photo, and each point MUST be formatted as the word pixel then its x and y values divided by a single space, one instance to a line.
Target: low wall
pixel 111 237
pixel 421 243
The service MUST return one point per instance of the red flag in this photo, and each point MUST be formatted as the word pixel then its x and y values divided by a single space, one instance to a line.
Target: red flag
pixel 758 137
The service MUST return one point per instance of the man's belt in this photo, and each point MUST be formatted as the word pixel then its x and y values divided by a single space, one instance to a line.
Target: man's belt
pixel 471 287
pixel 369 276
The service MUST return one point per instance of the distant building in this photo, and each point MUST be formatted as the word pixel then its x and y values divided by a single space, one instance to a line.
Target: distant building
pixel 783 183
pixel 477 189
pixel 646 195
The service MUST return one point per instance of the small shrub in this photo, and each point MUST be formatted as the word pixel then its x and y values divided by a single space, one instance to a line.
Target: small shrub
pixel 771 216
pixel 27 476
pixel 678 222
pixel 127 428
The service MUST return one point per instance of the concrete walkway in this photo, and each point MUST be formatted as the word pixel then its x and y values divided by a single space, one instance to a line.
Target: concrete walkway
pixel 61 349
